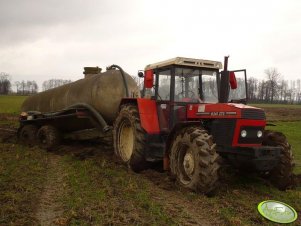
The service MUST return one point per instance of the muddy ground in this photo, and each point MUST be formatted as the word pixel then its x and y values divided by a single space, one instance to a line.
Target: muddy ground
pixel 49 209
pixel 84 184
pixel 282 114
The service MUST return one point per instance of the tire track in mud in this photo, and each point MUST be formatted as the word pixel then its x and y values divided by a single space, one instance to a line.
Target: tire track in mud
pixel 186 213
pixel 177 205
pixel 49 209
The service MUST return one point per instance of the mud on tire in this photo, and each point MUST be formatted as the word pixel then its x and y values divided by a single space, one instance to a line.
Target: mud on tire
pixel 48 137
pixel 194 161
pixel 282 175
pixel 27 135
pixel 129 138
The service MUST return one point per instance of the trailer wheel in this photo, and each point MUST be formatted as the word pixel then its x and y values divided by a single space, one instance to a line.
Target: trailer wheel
pixel 129 138
pixel 27 135
pixel 194 161
pixel 282 175
pixel 48 137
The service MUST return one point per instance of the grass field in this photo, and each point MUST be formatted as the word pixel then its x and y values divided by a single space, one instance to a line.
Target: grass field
pixel 11 104
pixel 83 184
pixel 281 112
pixel 277 105
pixel 22 173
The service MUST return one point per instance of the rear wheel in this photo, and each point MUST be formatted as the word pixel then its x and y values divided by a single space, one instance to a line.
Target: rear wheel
pixel 129 138
pixel 194 161
pixel 27 135
pixel 282 175
pixel 48 137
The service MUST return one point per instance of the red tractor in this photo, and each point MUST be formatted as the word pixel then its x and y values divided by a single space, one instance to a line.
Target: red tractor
pixel 191 115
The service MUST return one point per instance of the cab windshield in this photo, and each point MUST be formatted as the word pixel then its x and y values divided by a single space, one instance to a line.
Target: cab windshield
pixel 195 85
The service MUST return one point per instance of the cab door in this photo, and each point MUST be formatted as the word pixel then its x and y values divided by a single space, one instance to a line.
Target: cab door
pixel 163 96
pixel 238 94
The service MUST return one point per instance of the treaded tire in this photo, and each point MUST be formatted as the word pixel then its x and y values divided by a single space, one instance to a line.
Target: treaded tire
pixel 194 161
pixel 129 138
pixel 48 137
pixel 27 135
pixel 282 175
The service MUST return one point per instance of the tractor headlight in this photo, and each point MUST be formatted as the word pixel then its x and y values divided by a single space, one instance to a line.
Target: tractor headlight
pixel 259 133
pixel 243 133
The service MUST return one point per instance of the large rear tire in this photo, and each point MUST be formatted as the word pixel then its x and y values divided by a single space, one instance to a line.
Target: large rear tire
pixel 27 135
pixel 194 161
pixel 282 175
pixel 48 137
pixel 129 138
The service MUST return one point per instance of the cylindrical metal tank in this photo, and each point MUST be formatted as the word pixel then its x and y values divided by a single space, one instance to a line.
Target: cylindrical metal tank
pixel 103 91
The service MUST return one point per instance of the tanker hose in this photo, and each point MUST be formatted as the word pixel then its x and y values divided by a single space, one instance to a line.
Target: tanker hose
pixel 105 126
pixel 113 66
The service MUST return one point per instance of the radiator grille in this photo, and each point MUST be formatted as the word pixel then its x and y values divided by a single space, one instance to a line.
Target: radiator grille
pixel 253 114
pixel 223 131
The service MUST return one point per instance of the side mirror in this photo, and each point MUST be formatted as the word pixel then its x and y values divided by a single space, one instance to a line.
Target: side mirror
pixel 140 74
pixel 232 80
pixel 149 79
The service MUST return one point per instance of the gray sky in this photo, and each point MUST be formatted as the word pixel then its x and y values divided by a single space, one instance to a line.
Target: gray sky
pixel 42 39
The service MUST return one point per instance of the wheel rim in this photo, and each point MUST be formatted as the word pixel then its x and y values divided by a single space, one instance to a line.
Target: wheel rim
pixel 126 140
pixel 186 163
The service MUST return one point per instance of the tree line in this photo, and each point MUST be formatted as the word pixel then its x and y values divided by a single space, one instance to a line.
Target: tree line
pixel 274 89
pixel 27 87
pixel 52 83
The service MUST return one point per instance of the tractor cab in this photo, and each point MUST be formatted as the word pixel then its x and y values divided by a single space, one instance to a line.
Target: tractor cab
pixel 177 83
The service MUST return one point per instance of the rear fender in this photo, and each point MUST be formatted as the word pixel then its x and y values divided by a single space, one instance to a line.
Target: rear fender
pixel 128 101
pixel 148 113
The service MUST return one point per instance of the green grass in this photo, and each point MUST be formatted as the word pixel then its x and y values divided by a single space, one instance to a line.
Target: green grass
pixel 237 200
pixel 22 174
pixel 101 192
pixel 105 195
pixel 11 104
pixel 292 130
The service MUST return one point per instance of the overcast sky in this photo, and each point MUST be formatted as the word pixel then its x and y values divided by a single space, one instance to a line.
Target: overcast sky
pixel 40 39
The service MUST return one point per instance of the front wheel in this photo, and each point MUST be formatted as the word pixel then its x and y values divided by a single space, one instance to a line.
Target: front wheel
pixel 129 138
pixel 194 161
pixel 282 175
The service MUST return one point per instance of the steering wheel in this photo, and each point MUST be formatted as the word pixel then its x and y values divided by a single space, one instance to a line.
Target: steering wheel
pixel 181 94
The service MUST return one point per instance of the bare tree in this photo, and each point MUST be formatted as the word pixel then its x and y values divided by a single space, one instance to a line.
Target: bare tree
pixel 17 84
pixel 252 88
pixel 299 91
pixel 5 83
pixel 273 77
pixel 261 90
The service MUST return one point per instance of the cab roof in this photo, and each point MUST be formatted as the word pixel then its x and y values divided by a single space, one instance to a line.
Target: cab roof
pixel 183 61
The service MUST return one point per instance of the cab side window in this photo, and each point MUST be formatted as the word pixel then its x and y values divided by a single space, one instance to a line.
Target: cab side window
pixel 164 85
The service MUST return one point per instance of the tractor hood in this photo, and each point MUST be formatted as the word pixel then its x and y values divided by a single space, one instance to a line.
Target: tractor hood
pixel 221 110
